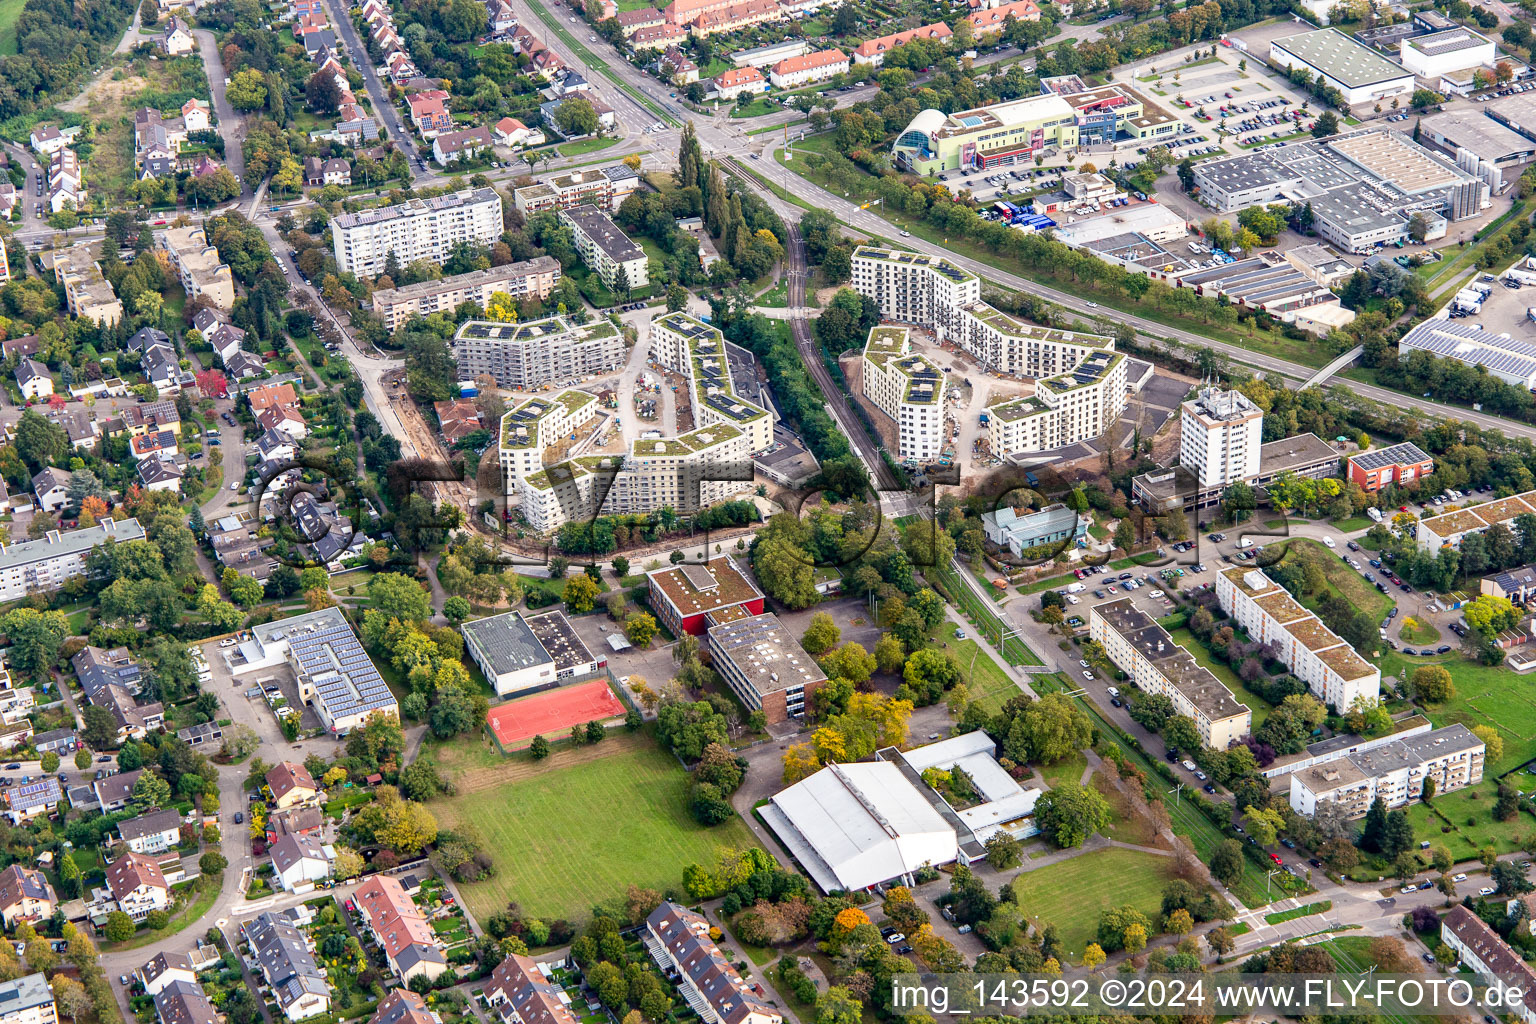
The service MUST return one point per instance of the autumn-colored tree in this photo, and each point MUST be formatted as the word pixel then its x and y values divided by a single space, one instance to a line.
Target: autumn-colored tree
pixel 847 920
pixel 799 762
pixel 92 511
pixel 1093 956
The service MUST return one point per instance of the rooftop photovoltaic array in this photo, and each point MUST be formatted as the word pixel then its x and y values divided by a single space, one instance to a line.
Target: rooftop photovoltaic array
pixel 344 677
pixel 1403 454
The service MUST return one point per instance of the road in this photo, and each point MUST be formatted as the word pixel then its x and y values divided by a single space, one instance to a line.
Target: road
pixel 31 190
pixel 231 126
pixel 382 107
pixel 1155 334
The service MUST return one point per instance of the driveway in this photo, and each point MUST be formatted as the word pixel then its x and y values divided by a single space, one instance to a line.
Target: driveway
pixel 231 126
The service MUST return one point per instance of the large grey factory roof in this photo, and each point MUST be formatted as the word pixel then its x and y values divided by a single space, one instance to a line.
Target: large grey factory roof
pixel 331 655
pixel 1480 133
pixel 1457 339
pixel 1341 58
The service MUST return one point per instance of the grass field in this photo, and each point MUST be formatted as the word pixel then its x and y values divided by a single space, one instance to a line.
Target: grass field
pixel 10 11
pixel 1484 696
pixel 984 677
pixel 1256 704
pixel 584 146
pixel 1071 894
pixel 1352 954
pixel 578 828
pixel 1295 912
pixel 1341 577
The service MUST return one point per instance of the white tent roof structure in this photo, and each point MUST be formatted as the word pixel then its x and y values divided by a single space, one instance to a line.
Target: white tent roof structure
pixel 852 826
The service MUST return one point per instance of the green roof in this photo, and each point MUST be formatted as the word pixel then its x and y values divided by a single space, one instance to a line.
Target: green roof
pixel 684 444
pixel 1010 325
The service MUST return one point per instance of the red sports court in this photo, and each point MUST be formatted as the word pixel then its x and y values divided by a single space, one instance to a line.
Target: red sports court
pixel 552 713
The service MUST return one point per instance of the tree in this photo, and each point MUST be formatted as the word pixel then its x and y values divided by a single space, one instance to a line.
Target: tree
pixel 36 638
pixel 1004 851
pixel 539 748
pixel 119 927
pixel 1182 733
pixel 1093 956
pixel 1509 878
pixel 82 759
pixel 151 792
pixel 1068 815
pixel 50 762
pixel 580 594
pixel 1227 861
pixel 1124 928
pixel 839 1006
pixel 1053 728
pixel 456 610
pixel 1125 536
pixel 212 863
pixel 1493 741
pixel 821 635
pixel 640 629
pixel 1398 836
pixel 575 117
pixel 1373 835
pixel 247 90
pixel 1432 684
pixel 889 654
pixel 397 596
pixel 100 731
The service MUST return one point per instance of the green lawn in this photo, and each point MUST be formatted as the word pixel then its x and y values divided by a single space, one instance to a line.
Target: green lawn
pixel 1420 633
pixel 984 677
pixel 10 11
pixel 1072 894
pixel 1294 913
pixel 578 829
pixel 1256 704
pixel 584 146
pixel 757 108
pixel 1341 577
pixel 1068 771
pixel 1484 696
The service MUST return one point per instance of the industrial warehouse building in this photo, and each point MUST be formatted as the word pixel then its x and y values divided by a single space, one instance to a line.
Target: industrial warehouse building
pixel 523 654
pixel 1358 72
pixel 1364 187
pixel 1442 53
pixel 1509 359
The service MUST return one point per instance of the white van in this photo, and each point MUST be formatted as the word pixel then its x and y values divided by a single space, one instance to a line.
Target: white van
pixel 1073 588
pixel 1244 543
pixel 1189 766
pixel 1328 542
pixel 1113 692
pixel 1374 513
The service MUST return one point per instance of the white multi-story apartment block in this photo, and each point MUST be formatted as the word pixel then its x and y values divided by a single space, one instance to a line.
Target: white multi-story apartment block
pixel 1481 949
pixel 415 229
pixel 1144 651
pixel 531 355
pixel 27 1000
pixel 1395 771
pixel 1336 674
pixel 87 294
pixel 45 564
pixel 907 388
pixel 693 348
pixel 1065 409
pixel 1219 437
pixel 607 251
pixel 686 473
pixel 914 287
pixel 1447 530
pixel 202 272
pixel 530 278
pixel 1080 379
pixel 533 426
pixel 565 190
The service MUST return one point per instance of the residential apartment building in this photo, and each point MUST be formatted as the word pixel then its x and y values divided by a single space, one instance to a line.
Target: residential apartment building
pixel 202 272
pixel 909 389
pixel 44 564
pixel 287 964
pixel 914 287
pixel 765 666
pixel 409 943
pixel 603 187
pixel 872 51
pixel 1448 529
pixel 415 229
pixel 689 472
pixel 1144 651
pixel 87 294
pixel 607 251
pixel 1481 949
pixel 794 72
pixel 1336 674
pixel 1219 437
pixel 536 353
pixel 678 939
pixel 687 345
pixel 1400 464
pixel 532 427
pixel 27 1000
pixel 1064 410
pixel 1451 757
pixel 534 278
